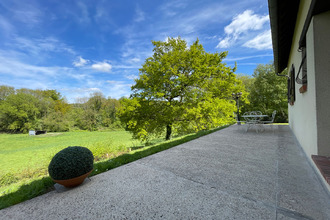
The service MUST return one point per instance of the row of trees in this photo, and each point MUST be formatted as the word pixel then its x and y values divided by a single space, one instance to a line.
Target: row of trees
pixel 180 89
pixel 25 109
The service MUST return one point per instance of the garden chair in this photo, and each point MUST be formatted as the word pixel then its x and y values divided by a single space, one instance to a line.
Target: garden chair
pixel 271 122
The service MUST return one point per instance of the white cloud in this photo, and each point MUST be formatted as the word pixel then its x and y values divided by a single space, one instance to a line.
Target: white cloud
pixel 192 23
pixel 245 22
pixel 25 12
pixel 83 16
pixel 5 26
pixel 15 68
pixel 119 89
pixel 126 67
pixel 135 60
pixel 172 8
pixel 248 57
pixel 139 15
pixel 20 74
pixel 79 62
pixel 225 42
pixel 84 90
pixel 78 95
pixel 112 81
pixel 241 25
pixel 131 76
pixel 42 45
pixel 262 41
pixel 102 67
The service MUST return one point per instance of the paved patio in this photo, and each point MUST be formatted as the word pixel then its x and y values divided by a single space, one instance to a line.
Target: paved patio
pixel 229 174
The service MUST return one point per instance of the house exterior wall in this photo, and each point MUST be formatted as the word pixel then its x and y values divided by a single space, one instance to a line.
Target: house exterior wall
pixel 321 30
pixel 309 117
pixel 302 115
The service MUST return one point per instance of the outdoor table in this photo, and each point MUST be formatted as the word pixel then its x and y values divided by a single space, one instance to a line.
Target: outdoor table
pixel 253 120
pixel 254 116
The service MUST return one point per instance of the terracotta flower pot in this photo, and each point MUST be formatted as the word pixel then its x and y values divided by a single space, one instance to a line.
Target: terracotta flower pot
pixel 74 181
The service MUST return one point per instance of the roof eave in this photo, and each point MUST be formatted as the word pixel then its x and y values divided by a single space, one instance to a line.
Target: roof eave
pixel 283 15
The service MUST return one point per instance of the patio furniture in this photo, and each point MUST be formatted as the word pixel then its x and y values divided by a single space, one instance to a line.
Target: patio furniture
pixel 271 122
pixel 253 119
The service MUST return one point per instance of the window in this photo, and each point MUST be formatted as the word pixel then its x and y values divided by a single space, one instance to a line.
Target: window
pixel 291 86
pixel 302 73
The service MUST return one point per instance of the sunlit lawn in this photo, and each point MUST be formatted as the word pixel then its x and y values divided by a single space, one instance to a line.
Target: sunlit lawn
pixel 24 157
pixel 29 157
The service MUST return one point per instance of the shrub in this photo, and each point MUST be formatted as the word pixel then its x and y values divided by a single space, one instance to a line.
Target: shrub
pixel 71 162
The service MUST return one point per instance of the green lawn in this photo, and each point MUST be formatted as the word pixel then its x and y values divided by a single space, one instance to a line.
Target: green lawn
pixel 27 156
pixel 24 159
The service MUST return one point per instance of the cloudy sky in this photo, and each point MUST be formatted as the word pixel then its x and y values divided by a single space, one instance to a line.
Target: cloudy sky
pixel 83 46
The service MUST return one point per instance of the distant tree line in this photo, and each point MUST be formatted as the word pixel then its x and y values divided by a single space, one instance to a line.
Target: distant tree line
pixel 267 92
pixel 22 110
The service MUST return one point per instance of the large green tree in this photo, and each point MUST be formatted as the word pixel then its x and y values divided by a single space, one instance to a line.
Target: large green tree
pixel 180 88
pixel 269 92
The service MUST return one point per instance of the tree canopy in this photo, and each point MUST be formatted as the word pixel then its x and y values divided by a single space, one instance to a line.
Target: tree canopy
pixel 180 89
pixel 267 92
pixel 26 109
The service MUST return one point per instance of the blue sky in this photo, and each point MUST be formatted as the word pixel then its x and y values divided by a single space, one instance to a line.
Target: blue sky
pixel 83 46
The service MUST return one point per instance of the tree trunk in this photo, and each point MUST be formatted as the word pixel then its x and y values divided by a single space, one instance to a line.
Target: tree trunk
pixel 168 132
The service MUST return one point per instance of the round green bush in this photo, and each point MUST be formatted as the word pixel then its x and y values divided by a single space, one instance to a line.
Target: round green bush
pixel 71 162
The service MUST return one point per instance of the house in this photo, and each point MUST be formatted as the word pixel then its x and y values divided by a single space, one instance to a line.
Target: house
pixel 301 42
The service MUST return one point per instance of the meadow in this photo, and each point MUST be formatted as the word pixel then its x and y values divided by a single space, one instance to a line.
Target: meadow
pixel 24 157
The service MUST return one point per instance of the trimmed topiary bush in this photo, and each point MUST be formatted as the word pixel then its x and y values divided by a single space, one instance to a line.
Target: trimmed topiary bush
pixel 71 162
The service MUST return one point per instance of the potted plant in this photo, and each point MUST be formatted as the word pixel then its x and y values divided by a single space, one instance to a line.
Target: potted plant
pixel 70 166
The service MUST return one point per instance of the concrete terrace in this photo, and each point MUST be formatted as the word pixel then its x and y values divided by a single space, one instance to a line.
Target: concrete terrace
pixel 229 174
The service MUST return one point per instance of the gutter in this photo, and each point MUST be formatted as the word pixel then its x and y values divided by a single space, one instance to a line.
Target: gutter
pixel 302 40
pixel 316 7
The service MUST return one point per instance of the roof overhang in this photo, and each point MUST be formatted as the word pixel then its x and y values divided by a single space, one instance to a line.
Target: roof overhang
pixel 283 16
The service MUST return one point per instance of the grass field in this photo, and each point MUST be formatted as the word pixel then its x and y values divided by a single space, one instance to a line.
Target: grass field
pixel 24 159
pixel 20 151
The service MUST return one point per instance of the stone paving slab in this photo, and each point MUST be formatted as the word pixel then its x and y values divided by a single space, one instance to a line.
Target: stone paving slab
pixel 230 174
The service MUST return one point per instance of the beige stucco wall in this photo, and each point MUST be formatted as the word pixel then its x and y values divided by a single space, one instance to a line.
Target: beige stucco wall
pixel 321 30
pixel 302 115
pixel 309 117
